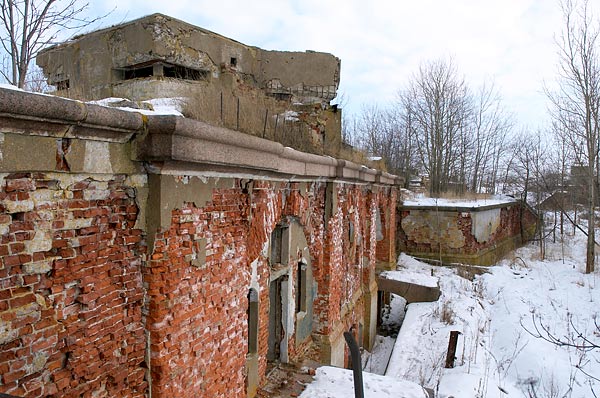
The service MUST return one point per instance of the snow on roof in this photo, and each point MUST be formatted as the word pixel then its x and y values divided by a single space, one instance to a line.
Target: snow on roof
pixel 466 203
pixel 331 382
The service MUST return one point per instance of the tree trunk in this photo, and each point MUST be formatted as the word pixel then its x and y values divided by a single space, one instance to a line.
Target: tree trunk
pixel 589 258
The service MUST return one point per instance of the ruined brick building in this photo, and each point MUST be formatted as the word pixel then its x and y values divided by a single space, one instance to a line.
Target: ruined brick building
pixel 153 255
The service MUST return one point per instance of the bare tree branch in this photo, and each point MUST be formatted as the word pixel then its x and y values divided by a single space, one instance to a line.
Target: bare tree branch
pixel 27 26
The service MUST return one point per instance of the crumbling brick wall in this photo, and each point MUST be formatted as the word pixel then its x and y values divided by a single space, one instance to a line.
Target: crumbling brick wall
pixel 197 312
pixel 72 293
pixel 70 287
pixel 121 275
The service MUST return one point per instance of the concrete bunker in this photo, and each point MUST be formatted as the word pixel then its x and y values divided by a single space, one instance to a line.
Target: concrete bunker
pixel 472 232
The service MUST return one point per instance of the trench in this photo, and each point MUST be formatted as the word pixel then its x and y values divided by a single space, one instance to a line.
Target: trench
pixel 392 316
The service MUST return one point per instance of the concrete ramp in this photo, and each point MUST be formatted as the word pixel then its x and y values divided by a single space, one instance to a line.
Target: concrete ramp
pixel 414 289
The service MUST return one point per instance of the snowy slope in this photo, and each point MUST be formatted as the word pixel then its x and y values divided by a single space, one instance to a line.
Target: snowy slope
pixel 498 354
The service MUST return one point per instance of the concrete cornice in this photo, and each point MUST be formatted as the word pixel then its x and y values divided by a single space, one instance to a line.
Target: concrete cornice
pixel 35 114
pixel 172 139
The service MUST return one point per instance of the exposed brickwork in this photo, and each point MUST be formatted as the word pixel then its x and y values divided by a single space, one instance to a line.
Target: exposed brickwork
pixel 197 315
pixel 70 287
pixel 72 292
pixel 85 311
pixel 387 205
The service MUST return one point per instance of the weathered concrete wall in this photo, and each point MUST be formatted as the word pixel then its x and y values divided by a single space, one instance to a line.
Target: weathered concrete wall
pixel 478 236
pixel 127 252
pixel 91 61
pixel 279 95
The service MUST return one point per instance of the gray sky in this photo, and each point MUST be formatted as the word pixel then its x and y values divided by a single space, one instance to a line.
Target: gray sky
pixel 382 42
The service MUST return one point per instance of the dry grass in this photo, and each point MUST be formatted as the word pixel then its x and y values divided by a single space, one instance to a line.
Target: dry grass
pixel 446 313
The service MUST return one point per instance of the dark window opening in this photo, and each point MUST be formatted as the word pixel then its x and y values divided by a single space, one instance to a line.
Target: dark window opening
pixel 279 245
pixel 181 72
pixel 282 96
pixel 62 85
pixel 135 73
pixel 252 321
pixel 301 288
pixel 160 69
pixel 233 62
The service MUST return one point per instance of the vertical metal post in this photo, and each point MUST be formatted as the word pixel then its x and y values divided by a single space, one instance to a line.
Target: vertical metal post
pixel 275 131
pixel 238 115
pixel 265 126
pixel 356 365
pixel 221 107
pixel 451 355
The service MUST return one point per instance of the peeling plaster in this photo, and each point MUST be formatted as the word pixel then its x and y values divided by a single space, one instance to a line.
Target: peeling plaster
pixel 97 157
pixel 288 309
pixel 485 223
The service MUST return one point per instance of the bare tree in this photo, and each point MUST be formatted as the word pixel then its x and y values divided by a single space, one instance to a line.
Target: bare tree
pixel 26 26
pixel 576 102
pixel 440 105
pixel 491 125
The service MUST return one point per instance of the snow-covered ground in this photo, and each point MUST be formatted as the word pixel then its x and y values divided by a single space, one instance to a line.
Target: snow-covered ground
pixel 505 318
pixel 333 382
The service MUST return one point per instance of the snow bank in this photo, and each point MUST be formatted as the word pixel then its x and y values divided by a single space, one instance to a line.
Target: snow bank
pixel 499 315
pixel 333 382
pixel 420 350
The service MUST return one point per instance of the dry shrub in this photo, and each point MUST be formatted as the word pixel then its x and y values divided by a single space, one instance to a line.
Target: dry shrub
pixel 446 313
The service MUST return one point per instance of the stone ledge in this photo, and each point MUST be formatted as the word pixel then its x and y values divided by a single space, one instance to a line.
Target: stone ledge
pixel 175 139
pixel 36 114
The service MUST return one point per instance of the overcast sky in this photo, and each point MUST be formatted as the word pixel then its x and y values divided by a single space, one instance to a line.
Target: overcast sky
pixel 381 43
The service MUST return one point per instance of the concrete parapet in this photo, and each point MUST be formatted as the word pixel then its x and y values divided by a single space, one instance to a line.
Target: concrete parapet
pixel 412 292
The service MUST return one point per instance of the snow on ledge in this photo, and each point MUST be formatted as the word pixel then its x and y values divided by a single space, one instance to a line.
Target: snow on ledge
pixel 160 106
pixel 10 87
pixel 331 382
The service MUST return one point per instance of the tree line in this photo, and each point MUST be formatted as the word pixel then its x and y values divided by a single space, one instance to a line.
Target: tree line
pixel 440 127
pixel 464 140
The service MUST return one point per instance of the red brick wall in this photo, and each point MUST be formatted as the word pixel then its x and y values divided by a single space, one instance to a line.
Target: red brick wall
pixel 70 287
pixel 343 270
pixel 386 201
pixel 197 315
pixel 79 301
